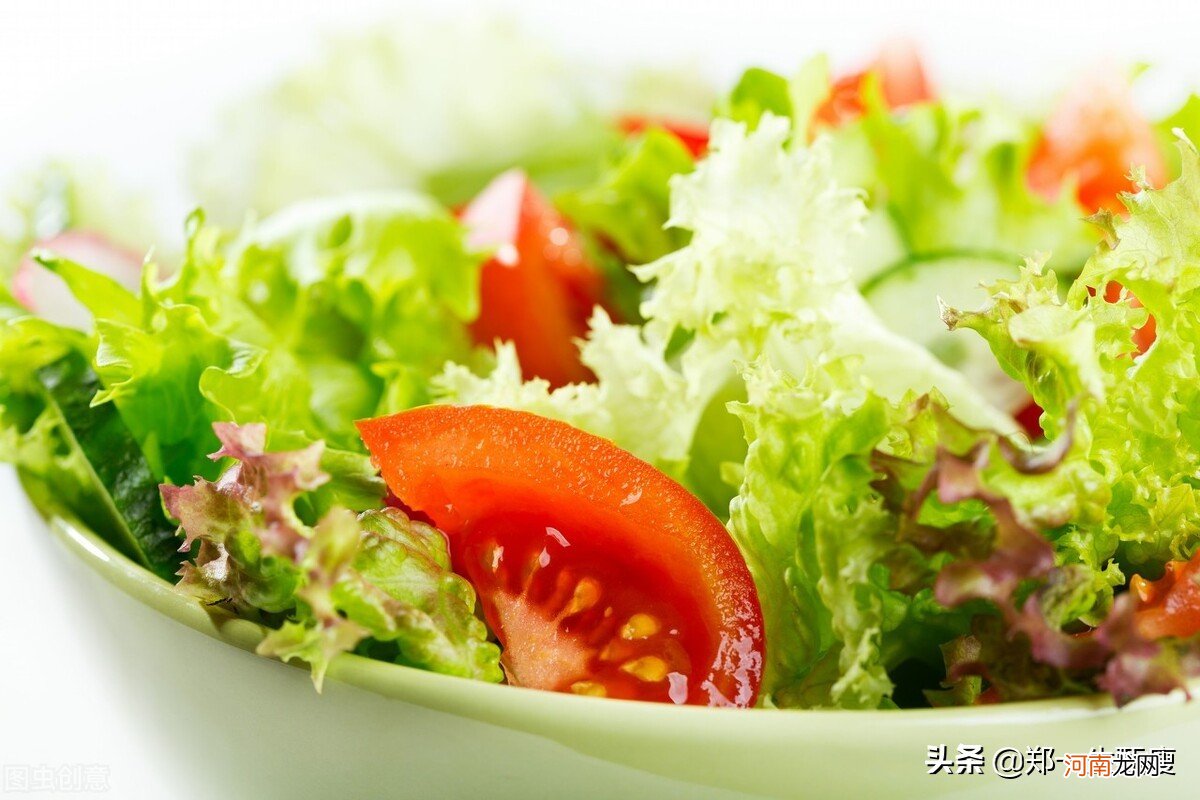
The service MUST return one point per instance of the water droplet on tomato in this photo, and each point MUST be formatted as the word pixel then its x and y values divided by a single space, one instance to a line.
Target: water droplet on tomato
pixel 507 255
pixel 679 688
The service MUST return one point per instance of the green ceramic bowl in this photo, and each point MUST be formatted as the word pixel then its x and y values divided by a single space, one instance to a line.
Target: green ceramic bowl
pixel 554 745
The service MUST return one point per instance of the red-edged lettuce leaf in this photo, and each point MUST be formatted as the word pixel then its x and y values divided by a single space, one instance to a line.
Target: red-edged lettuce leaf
pixel 333 584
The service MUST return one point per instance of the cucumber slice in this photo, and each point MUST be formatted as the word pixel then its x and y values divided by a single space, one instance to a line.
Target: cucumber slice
pixel 905 297
pixel 125 506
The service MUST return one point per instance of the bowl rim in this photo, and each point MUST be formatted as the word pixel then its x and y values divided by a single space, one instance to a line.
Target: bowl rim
pixel 498 702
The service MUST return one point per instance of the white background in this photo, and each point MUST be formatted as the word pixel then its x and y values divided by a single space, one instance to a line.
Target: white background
pixel 132 84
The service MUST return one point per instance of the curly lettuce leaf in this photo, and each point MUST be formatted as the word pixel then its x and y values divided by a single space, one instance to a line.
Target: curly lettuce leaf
pixel 1136 416
pixel 337 582
pixel 627 208
pixel 771 230
pixel 169 376
pixel 372 293
pixel 1126 499
pixel 948 204
pixel 330 312
pixel 640 401
pixel 878 533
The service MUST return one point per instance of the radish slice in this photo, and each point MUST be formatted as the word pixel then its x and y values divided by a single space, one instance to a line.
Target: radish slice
pixel 45 294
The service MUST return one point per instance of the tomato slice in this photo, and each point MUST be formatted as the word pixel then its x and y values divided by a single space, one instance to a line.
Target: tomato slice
pixel 599 574
pixel 538 289
pixel 1096 136
pixel 1169 606
pixel 693 135
pixel 902 80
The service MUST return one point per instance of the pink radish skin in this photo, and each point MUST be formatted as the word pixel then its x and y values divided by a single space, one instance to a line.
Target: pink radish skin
pixel 45 294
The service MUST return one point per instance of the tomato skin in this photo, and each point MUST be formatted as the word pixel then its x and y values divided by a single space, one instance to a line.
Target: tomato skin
pixel 902 80
pixel 494 478
pixel 538 290
pixel 1096 136
pixel 1169 606
pixel 693 135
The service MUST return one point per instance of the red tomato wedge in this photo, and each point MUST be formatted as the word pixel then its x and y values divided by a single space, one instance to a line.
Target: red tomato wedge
pixel 694 135
pixel 538 289
pixel 902 80
pixel 1096 136
pixel 599 574
pixel 1169 606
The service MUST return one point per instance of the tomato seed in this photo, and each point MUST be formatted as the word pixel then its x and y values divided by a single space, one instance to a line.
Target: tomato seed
pixel 640 626
pixel 650 669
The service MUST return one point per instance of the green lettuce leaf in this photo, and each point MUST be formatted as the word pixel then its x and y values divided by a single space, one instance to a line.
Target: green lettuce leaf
pixel 170 375
pixel 328 313
pixel 1185 119
pixel 627 208
pixel 370 293
pixel 622 216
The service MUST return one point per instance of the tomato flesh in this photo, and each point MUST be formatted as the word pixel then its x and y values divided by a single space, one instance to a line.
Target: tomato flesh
pixel 599 574
pixel 577 616
pixel 538 289
pixel 1169 606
